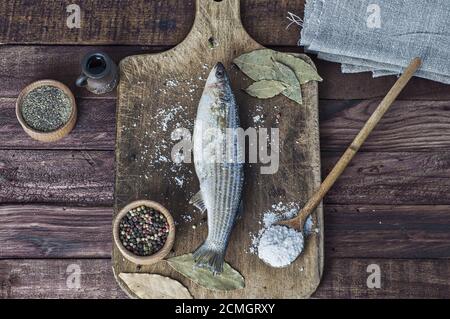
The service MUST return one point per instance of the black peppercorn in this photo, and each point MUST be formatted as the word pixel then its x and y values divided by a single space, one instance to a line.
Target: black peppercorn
pixel 143 231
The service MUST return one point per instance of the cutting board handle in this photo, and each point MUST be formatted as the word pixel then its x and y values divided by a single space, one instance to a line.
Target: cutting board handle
pixel 223 9
pixel 218 24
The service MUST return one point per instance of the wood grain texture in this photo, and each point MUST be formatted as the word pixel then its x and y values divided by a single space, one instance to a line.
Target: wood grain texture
pixel 48 278
pixel 343 278
pixel 66 178
pixel 408 126
pixel 40 231
pixel 387 231
pixel 337 85
pixel 141 95
pixel 137 22
pixel 400 178
pixel 86 178
pixel 347 278
pixel 375 213
pixel 62 63
pixel 94 129
pixel 351 231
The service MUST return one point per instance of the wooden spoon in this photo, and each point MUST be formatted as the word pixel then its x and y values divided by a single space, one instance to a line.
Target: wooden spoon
pixel 298 222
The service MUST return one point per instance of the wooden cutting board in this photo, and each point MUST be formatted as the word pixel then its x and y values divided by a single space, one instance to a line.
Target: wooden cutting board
pixel 159 92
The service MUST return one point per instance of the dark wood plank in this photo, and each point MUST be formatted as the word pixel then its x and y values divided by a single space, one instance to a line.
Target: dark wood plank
pixel 351 231
pixel 137 22
pixel 340 86
pixel 48 278
pixel 86 178
pixel 343 278
pixel 66 177
pixel 407 126
pixel 407 278
pixel 94 130
pixel 102 22
pixel 20 65
pixel 266 21
pixel 38 231
pixel 384 231
pixel 395 178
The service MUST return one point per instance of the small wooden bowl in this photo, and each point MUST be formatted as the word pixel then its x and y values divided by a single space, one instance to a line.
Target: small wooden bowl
pixel 53 135
pixel 159 255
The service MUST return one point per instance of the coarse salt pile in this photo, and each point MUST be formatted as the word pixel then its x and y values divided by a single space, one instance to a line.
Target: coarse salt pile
pixel 279 246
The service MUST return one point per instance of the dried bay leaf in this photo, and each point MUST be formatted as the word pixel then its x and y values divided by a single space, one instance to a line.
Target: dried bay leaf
pixel 265 89
pixel 257 65
pixel 229 279
pixel 264 64
pixel 304 71
pixel 288 77
pixel 152 286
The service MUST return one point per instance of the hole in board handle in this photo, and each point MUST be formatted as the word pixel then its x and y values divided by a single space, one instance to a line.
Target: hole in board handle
pixel 212 42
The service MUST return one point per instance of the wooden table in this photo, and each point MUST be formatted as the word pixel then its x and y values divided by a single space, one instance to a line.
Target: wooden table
pixel 391 207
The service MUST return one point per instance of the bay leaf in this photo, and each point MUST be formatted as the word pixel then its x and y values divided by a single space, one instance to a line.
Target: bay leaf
pixel 265 89
pixel 287 76
pixel 229 279
pixel 152 286
pixel 303 70
pixel 262 65
pixel 257 65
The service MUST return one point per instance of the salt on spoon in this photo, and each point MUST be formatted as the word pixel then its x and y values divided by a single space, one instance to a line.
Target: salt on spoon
pixel 279 246
pixel 280 236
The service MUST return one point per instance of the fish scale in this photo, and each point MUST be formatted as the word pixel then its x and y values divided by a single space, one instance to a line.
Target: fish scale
pixel 221 181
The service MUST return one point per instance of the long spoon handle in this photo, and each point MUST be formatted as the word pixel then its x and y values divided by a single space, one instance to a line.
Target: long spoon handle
pixel 345 159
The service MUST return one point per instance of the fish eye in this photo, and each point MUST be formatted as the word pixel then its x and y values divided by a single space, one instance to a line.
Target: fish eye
pixel 219 73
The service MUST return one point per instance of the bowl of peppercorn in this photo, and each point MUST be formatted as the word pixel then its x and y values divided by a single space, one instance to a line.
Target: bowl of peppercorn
pixel 144 232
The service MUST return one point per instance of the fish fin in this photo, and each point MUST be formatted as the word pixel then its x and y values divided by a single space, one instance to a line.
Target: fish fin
pixel 209 258
pixel 197 201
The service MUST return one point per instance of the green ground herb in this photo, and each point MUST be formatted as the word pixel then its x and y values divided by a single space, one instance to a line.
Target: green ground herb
pixel 46 108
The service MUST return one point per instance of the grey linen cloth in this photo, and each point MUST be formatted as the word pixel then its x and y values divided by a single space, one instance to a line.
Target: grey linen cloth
pixel 344 31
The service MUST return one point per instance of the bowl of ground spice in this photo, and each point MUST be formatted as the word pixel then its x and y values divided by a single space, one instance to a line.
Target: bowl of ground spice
pixel 46 110
pixel 144 232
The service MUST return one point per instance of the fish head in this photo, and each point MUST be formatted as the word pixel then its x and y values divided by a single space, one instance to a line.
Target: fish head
pixel 217 98
pixel 218 77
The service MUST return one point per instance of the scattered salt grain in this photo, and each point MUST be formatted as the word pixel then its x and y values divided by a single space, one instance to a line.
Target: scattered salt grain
pixel 171 83
pixel 258 117
pixel 279 246
pixel 157 156
pixel 179 181
pixel 186 218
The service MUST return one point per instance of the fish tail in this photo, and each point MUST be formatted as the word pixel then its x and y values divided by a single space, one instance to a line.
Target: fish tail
pixel 209 257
